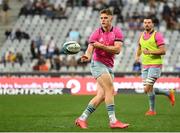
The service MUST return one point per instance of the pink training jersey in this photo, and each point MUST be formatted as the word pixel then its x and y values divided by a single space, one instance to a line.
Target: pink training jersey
pixel 106 38
pixel 159 41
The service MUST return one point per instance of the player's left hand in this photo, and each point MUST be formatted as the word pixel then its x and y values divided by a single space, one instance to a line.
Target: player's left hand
pixel 146 52
pixel 85 58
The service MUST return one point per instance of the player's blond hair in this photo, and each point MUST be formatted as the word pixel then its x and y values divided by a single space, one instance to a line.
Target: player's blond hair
pixel 106 11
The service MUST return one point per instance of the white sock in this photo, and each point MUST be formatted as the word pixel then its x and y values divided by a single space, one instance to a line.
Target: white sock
pixel 111 113
pixel 89 110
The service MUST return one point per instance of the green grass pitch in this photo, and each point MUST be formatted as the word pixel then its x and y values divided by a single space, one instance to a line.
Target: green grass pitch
pixel 56 113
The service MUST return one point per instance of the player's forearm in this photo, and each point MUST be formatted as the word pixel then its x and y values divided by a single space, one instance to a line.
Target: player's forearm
pixel 158 52
pixel 115 49
pixel 138 52
pixel 111 49
pixel 89 51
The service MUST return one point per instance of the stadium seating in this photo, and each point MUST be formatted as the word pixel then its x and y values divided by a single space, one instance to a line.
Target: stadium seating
pixel 85 20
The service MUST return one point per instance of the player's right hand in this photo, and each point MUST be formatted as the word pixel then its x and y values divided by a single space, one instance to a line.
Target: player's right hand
pixel 85 58
pixel 137 59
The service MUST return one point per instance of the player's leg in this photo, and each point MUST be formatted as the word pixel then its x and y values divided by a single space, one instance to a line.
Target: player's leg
pixel 148 83
pixel 93 104
pixel 151 96
pixel 159 91
pixel 99 98
pixel 106 82
pixel 97 69
pixel 169 93
pixel 155 73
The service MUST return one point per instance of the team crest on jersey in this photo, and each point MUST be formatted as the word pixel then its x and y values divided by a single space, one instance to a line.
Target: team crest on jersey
pixel 101 40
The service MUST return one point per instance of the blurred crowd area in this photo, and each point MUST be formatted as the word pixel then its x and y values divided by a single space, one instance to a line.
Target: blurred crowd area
pixel 43 26
pixel 57 8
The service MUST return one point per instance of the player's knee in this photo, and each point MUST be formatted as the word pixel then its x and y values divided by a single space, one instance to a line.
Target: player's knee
pixel 148 83
pixel 101 95
pixel 110 91
pixel 146 90
pixel 102 98
pixel 109 94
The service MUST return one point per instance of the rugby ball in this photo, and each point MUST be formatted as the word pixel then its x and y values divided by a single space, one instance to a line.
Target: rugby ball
pixel 71 47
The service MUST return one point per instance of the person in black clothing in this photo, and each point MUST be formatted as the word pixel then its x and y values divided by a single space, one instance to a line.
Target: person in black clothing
pixel 5 9
pixel 33 50
pixel 8 33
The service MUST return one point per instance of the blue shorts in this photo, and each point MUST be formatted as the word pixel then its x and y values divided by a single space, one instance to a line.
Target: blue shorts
pixel 98 68
pixel 151 72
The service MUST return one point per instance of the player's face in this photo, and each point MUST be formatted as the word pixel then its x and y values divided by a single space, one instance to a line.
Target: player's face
pixel 148 24
pixel 106 20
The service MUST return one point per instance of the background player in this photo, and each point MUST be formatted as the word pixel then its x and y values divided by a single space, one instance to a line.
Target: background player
pixel 151 47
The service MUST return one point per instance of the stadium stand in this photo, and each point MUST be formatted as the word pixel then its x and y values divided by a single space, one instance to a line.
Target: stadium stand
pixel 48 23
